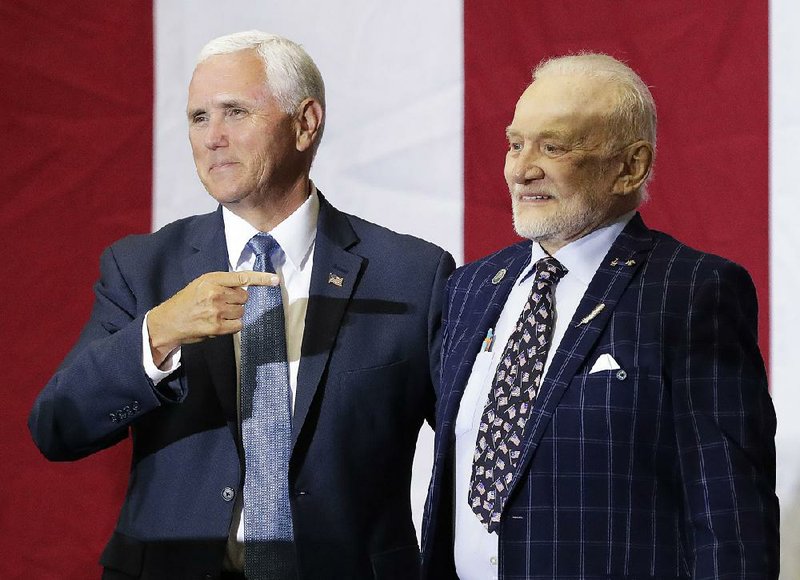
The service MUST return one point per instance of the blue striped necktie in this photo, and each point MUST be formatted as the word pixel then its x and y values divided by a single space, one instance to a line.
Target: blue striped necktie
pixel 266 427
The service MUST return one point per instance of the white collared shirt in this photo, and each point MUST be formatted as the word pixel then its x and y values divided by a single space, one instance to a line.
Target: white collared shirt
pixel 476 550
pixel 295 235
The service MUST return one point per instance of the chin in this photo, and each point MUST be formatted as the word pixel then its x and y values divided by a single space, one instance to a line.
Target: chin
pixel 529 224
pixel 224 195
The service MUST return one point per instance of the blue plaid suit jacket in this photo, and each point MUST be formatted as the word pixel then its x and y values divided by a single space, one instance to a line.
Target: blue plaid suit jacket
pixel 666 470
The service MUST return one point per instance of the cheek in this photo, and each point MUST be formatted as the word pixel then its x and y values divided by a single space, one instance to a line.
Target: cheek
pixel 196 142
pixel 508 168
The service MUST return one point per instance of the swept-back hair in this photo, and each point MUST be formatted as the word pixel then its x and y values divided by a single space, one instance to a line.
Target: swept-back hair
pixel 292 75
pixel 634 115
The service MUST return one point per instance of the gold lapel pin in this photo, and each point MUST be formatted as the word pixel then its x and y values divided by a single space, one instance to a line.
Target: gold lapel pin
pixel 617 261
pixel 499 276
pixel 335 280
pixel 595 311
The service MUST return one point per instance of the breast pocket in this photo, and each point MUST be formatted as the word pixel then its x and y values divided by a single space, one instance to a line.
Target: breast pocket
pixel 614 405
pixel 475 394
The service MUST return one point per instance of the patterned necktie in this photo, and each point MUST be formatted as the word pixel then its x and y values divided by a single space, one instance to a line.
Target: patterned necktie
pixel 514 390
pixel 266 427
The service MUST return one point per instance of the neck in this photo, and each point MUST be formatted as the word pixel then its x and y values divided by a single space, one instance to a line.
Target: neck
pixel 275 205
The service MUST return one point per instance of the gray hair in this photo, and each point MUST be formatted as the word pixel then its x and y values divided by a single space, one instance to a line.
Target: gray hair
pixel 634 115
pixel 292 75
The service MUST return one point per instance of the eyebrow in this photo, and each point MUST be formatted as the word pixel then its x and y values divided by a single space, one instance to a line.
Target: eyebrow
pixel 564 135
pixel 226 104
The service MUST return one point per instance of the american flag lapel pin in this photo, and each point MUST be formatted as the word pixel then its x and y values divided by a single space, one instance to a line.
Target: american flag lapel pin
pixel 335 280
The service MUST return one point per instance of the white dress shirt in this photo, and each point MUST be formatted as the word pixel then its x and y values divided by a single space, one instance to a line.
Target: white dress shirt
pixel 476 550
pixel 293 263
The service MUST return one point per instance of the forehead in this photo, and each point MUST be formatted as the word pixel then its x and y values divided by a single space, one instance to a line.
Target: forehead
pixel 238 73
pixel 565 103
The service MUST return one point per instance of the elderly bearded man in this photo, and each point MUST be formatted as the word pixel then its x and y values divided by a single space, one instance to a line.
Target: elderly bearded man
pixel 621 426
pixel 286 453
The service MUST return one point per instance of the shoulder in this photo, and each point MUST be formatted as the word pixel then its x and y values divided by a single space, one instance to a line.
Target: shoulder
pixel 682 279
pixel 679 261
pixel 151 254
pixel 375 236
pixel 174 234
pixel 379 243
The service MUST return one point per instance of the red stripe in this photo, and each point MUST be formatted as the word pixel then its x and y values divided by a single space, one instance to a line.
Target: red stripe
pixel 77 174
pixel 707 65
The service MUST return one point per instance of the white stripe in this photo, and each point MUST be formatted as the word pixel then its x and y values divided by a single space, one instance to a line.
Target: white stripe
pixel 393 146
pixel 785 267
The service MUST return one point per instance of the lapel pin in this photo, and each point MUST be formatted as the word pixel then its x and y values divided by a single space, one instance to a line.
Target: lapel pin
pixel 589 317
pixel 499 276
pixel 335 280
pixel 617 261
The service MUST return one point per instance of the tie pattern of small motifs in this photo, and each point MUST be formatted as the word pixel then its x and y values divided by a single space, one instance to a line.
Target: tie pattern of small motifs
pixel 515 387
pixel 269 552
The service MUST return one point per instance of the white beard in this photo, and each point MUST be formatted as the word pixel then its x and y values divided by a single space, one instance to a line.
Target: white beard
pixel 573 218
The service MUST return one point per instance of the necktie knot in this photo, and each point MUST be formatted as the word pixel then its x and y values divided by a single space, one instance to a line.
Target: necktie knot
pixel 550 269
pixel 263 244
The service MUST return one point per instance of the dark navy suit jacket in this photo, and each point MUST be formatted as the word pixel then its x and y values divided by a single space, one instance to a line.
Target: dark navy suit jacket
pixel 364 387
pixel 666 469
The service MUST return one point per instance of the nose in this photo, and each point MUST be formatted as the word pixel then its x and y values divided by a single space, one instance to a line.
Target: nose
pixel 216 134
pixel 523 166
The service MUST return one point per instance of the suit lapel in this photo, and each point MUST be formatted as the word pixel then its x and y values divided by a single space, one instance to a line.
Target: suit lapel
pixel 209 253
pixel 487 301
pixel 333 280
pixel 623 260
pixel 484 294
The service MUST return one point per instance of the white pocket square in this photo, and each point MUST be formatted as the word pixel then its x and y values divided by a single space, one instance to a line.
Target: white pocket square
pixel 605 362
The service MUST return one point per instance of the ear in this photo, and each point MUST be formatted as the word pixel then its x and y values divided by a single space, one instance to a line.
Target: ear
pixel 635 165
pixel 307 123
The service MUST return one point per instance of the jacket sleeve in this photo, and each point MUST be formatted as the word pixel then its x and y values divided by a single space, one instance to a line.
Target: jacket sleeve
pixel 101 387
pixel 725 430
pixel 435 328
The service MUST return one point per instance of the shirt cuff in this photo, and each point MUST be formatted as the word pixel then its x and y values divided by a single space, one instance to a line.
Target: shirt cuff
pixel 170 364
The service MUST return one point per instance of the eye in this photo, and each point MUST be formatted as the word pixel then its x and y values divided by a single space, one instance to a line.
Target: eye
pixel 236 112
pixel 552 150
pixel 199 118
pixel 515 146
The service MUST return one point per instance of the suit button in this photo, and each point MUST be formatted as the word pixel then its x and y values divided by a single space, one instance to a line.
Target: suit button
pixel 622 375
pixel 228 494
pixel 300 492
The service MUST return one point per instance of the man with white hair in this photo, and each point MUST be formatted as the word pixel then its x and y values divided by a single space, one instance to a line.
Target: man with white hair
pixel 604 410
pixel 273 361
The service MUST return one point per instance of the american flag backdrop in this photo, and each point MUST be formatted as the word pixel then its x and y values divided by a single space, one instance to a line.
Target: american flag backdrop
pixel 94 146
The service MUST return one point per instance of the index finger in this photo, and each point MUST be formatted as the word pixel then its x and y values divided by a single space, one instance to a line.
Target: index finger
pixel 248 278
